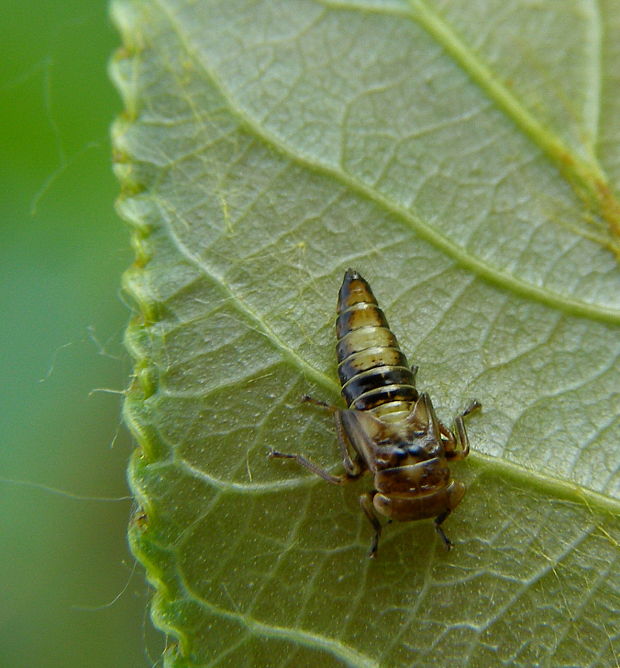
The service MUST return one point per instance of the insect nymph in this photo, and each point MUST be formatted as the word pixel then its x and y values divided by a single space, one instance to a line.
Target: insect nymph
pixel 388 427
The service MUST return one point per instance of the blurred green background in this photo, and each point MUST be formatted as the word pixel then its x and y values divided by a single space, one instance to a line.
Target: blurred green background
pixel 62 250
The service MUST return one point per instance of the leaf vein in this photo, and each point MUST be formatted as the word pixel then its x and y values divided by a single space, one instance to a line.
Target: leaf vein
pixel 490 273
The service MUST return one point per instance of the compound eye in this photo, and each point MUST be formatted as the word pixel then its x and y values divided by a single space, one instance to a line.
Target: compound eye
pixel 416 451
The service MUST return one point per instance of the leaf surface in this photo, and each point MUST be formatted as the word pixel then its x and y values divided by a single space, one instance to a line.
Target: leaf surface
pixel 464 158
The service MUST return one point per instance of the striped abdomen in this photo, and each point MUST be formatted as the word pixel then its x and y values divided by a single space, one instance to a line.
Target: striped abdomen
pixel 373 371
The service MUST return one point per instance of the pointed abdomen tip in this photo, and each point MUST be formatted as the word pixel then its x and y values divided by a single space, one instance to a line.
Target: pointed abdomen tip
pixel 351 274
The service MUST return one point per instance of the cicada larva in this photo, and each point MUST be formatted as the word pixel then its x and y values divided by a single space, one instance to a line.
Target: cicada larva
pixel 388 428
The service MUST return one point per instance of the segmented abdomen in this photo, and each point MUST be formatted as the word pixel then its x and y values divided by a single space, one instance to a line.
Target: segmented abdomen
pixel 372 369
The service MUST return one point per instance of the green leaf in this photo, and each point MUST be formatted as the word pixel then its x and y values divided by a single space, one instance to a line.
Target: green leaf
pixel 463 157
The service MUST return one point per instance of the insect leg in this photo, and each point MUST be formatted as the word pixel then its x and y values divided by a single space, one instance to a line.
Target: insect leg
pixel 474 405
pixel 438 522
pixel 307 399
pixel 311 466
pixel 354 468
pixel 369 511
pixel 414 373
pixel 459 436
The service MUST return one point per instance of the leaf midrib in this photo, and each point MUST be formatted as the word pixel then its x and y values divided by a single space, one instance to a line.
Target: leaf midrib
pixel 584 175
pixel 491 274
pixel 557 488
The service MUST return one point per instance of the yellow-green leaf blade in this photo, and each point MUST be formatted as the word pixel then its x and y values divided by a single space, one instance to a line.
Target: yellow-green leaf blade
pixel 267 147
